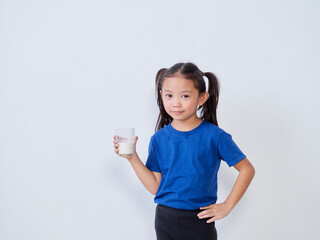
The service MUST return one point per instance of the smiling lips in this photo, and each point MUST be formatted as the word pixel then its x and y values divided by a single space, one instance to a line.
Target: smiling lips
pixel 177 112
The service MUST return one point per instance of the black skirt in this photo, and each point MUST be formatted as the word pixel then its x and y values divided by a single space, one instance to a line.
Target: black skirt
pixel 180 224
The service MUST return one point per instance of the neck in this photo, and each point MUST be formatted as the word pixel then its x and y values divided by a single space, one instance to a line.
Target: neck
pixel 187 125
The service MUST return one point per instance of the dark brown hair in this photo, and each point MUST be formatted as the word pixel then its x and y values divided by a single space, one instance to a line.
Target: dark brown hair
pixel 191 72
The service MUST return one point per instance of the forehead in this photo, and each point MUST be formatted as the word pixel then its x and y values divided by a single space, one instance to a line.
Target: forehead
pixel 177 83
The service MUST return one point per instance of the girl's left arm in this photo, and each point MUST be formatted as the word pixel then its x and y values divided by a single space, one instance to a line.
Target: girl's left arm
pixel 219 211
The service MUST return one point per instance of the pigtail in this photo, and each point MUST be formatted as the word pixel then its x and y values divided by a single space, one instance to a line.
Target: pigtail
pixel 163 118
pixel 209 108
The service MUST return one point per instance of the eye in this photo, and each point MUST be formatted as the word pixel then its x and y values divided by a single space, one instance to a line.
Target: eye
pixel 185 96
pixel 168 95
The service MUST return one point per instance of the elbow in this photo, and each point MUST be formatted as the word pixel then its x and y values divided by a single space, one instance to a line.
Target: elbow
pixel 248 170
pixel 253 172
pixel 154 191
pixel 245 167
pixel 153 186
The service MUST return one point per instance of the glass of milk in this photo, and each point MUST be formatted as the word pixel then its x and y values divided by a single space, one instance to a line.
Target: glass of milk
pixel 125 138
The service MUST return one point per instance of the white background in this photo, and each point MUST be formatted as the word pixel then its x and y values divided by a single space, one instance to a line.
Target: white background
pixel 73 71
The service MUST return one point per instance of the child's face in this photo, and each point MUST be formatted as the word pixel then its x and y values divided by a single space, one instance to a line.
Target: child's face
pixel 180 98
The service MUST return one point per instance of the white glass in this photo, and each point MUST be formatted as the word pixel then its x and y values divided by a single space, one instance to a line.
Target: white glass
pixel 125 138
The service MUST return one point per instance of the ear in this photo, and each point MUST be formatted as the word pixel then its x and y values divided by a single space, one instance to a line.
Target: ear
pixel 203 98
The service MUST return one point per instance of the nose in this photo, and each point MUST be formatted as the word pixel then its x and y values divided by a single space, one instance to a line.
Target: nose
pixel 176 102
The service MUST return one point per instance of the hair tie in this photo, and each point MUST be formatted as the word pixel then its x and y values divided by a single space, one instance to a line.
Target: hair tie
pixel 206 81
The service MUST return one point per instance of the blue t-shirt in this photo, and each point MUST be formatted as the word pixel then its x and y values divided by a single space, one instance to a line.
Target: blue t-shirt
pixel 189 163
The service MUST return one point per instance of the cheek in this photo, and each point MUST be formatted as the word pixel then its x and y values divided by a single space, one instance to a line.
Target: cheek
pixel 189 106
pixel 193 104
pixel 164 101
pixel 166 104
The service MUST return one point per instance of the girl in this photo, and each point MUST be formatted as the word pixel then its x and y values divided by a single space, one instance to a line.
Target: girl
pixel 185 155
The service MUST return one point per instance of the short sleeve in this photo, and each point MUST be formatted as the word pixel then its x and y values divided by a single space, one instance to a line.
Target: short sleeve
pixel 228 150
pixel 152 161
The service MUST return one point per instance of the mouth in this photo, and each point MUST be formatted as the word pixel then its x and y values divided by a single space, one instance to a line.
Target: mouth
pixel 177 112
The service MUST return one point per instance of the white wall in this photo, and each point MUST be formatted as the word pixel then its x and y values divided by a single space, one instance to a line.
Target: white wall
pixel 72 71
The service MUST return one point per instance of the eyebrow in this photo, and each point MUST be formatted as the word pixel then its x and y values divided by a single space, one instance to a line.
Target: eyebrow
pixel 187 91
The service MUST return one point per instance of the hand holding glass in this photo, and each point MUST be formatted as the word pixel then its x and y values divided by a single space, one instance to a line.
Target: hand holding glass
pixel 125 138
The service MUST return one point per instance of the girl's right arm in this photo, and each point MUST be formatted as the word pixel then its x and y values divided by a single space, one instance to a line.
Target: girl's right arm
pixel 151 180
